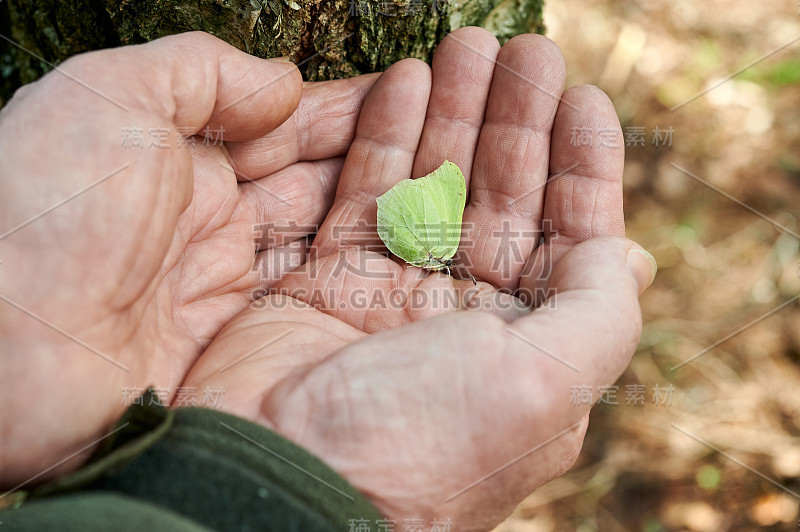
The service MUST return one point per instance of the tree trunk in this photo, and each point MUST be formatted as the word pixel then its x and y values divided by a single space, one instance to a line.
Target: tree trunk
pixel 332 39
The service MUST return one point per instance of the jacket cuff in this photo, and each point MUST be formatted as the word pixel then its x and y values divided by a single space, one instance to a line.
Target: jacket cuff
pixel 203 467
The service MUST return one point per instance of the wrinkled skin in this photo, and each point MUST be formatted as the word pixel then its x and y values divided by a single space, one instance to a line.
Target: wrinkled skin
pixel 151 273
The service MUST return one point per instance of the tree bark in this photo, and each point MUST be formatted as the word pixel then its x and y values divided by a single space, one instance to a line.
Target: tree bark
pixel 331 39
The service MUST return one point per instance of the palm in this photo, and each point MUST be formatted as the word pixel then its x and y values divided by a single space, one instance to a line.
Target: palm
pixel 174 305
pixel 300 360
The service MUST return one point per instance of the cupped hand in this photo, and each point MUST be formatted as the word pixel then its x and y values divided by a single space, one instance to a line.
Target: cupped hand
pixel 436 398
pixel 126 243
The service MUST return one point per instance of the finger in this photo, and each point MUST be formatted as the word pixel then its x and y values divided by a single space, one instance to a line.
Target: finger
pixel 382 154
pixel 252 96
pixel 583 196
pixel 589 328
pixel 291 203
pixel 193 81
pixel 462 74
pixel 505 205
pixel 323 126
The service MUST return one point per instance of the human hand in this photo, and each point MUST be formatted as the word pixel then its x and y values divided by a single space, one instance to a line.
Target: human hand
pixel 119 264
pixel 451 411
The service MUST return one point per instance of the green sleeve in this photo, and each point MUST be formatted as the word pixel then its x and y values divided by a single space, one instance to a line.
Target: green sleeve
pixel 192 469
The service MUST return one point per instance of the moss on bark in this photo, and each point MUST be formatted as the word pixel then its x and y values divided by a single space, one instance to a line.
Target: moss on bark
pixel 327 39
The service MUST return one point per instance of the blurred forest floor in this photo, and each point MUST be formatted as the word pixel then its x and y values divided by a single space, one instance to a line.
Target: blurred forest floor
pixel 651 467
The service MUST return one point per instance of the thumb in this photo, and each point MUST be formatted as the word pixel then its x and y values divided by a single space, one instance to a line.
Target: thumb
pixel 194 80
pixel 605 263
pixel 246 95
pixel 587 330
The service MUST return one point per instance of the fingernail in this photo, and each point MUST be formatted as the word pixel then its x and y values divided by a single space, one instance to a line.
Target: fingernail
pixel 282 59
pixel 643 267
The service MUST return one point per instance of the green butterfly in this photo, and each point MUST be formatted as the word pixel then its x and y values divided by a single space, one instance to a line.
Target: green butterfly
pixel 419 220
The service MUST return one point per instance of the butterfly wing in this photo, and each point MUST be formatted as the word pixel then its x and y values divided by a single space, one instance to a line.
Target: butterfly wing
pixel 421 216
pixel 401 222
pixel 444 198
